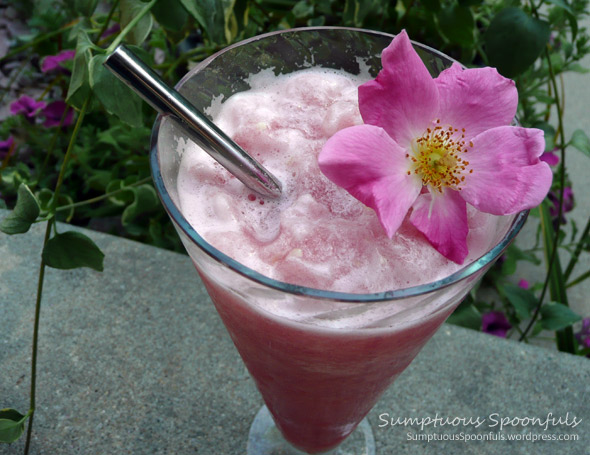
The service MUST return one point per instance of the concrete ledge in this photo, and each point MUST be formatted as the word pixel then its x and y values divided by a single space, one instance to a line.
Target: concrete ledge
pixel 135 360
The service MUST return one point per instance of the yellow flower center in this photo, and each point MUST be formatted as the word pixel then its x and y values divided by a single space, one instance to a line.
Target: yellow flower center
pixel 436 157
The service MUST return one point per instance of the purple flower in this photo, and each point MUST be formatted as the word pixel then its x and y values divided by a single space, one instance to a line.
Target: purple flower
pixel 53 62
pixel 5 147
pixel 524 284
pixel 495 323
pixel 110 31
pixel 583 336
pixel 568 201
pixel 551 158
pixel 27 106
pixel 54 112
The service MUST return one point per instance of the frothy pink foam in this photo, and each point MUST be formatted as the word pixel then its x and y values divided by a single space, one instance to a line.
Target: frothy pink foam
pixel 317 235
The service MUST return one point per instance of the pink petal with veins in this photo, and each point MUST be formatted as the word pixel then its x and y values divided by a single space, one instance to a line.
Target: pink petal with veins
pixel 442 218
pixel 372 167
pixel 507 174
pixel 403 99
pixel 475 99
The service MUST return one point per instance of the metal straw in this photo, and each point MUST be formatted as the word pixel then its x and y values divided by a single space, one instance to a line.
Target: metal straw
pixel 147 84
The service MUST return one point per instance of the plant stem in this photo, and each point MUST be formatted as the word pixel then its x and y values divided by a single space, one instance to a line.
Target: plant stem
pixel 105 26
pixel 576 255
pixel 40 39
pixel 104 196
pixel 36 342
pixel 581 278
pixel 51 147
pixel 130 26
pixel 552 257
pixel 68 155
pixel 50 225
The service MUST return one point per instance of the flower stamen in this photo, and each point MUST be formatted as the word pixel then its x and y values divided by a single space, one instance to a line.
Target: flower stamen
pixel 437 157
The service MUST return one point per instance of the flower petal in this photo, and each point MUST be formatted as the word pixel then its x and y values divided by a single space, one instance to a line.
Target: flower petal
pixel 53 62
pixel 507 174
pixel 369 164
pixel 442 218
pixel 403 99
pixel 475 99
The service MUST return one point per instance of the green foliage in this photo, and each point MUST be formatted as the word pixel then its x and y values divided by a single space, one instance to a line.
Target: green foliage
pixel 72 250
pixel 555 316
pixel 24 214
pixel 113 94
pixel 12 425
pixel 581 142
pixel 95 173
pixel 514 40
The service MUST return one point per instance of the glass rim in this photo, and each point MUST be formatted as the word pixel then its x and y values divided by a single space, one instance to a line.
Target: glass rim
pixel 412 291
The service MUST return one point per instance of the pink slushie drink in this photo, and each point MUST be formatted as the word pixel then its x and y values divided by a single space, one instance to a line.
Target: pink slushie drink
pixel 320 364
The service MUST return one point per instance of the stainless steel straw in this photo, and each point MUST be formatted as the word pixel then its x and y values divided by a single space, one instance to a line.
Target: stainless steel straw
pixel 146 83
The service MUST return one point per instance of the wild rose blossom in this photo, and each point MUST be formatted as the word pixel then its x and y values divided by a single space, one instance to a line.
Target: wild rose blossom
pixel 27 106
pixel 53 62
pixel 54 112
pixel 434 145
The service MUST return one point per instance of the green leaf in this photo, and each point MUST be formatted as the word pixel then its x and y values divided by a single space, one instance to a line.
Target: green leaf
pixel 466 316
pixel 457 24
pixel 561 4
pixel 431 5
pixel 128 10
pixel 513 255
pixel 213 16
pixel 12 425
pixel 115 96
pixel 557 287
pixel 79 88
pixel 581 142
pixel 170 14
pixel 555 316
pixel 24 214
pixel 85 7
pixel 145 200
pixel 514 40
pixel 522 300
pixel 302 9
pixel 71 250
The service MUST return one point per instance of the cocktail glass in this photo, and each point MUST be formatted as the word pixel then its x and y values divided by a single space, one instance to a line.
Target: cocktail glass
pixel 322 368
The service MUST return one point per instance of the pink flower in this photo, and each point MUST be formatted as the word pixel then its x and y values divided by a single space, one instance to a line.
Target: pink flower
pixel 434 145
pixel 53 62
pixel 54 112
pixel 550 158
pixel 111 31
pixel 568 202
pixel 495 323
pixel 27 106
pixel 583 336
pixel 523 284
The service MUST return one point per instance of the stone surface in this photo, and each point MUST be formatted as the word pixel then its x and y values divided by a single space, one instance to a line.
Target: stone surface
pixel 134 360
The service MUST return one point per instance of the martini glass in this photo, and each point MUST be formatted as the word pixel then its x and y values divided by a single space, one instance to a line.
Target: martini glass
pixel 320 359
